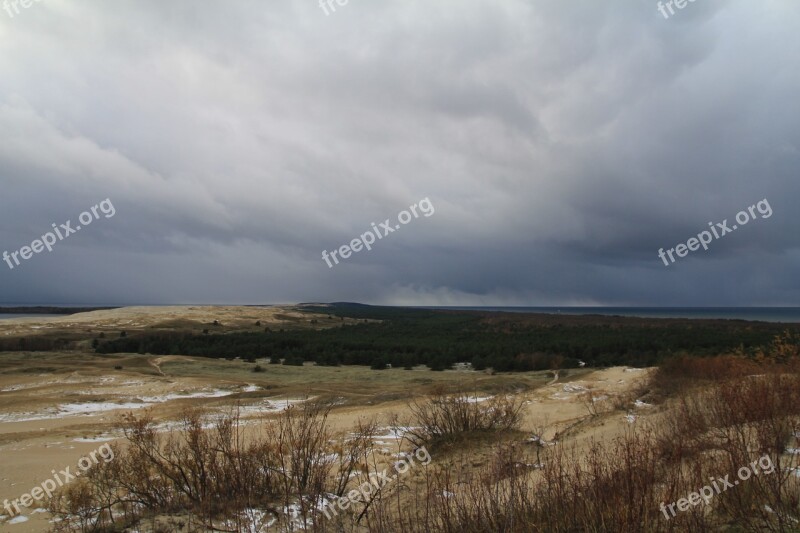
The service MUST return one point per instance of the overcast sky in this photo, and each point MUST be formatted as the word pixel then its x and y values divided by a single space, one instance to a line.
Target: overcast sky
pixel 562 143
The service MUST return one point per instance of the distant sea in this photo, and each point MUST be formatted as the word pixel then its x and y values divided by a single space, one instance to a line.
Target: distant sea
pixel 763 314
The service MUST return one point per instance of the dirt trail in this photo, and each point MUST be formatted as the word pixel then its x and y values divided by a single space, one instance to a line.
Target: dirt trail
pixel 156 363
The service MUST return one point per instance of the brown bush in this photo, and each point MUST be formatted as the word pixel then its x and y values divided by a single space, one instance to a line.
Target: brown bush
pixel 448 417
pixel 732 411
pixel 680 374
pixel 215 473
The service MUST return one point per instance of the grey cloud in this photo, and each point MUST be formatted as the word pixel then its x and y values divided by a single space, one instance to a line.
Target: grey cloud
pixel 562 142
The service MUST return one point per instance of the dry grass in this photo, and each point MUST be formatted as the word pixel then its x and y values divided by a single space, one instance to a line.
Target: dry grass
pixel 617 485
pixel 713 416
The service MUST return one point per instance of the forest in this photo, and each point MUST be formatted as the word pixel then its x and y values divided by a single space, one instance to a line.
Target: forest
pixel 405 337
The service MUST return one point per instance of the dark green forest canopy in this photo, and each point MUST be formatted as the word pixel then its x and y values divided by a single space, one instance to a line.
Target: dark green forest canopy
pixel 405 337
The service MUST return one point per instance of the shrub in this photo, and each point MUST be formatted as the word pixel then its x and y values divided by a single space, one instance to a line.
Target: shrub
pixel 213 476
pixel 679 374
pixel 379 364
pixel 445 417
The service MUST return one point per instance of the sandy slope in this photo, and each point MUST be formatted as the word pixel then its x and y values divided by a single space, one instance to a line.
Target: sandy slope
pixel 31 449
pixel 131 318
pixel 51 418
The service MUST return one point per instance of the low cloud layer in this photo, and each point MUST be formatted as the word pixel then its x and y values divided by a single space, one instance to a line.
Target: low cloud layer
pixel 562 144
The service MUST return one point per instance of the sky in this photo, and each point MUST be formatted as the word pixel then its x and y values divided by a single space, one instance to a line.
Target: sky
pixel 557 146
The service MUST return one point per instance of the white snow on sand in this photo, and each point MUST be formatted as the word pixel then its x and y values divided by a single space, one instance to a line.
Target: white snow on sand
pixel 93 439
pixel 90 408
pixel 216 393
pixel 270 406
pixel 478 399
pixel 394 433
pixel 95 408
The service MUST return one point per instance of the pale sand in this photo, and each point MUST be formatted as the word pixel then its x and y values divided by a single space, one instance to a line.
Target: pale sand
pixel 30 450
pixel 131 318
pixel 72 408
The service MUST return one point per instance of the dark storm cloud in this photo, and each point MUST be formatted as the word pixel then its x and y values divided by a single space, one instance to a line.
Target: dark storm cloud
pixel 562 144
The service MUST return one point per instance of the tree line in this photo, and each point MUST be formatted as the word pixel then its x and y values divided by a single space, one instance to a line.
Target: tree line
pixel 503 341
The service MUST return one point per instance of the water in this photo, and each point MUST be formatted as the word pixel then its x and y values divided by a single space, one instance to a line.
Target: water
pixel 763 314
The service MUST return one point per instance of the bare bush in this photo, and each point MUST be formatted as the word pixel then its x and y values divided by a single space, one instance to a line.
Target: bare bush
pixel 727 427
pixel 620 486
pixel 213 472
pixel 716 426
pixel 446 417
pixel 595 404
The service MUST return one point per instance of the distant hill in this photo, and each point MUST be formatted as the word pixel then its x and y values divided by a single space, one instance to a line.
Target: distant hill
pixel 39 310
